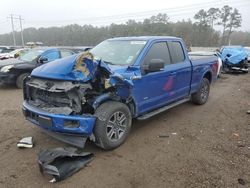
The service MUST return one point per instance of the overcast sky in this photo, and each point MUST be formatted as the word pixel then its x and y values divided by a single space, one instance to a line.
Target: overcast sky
pixel 46 13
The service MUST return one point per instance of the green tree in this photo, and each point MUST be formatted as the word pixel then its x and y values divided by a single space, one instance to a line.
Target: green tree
pixel 213 15
pixel 224 18
pixel 234 22
pixel 229 19
pixel 201 17
pixel 202 25
pixel 160 18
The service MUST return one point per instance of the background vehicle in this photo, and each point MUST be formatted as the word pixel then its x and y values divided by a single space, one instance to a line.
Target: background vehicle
pixel 202 54
pixel 13 54
pixel 234 59
pixel 95 95
pixel 13 71
pixel 6 49
pixel 1 48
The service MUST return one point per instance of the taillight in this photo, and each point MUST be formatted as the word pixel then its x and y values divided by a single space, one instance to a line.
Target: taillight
pixel 215 66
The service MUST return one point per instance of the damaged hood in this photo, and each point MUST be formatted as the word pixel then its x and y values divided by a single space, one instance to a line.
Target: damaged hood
pixel 233 55
pixel 70 69
pixel 80 68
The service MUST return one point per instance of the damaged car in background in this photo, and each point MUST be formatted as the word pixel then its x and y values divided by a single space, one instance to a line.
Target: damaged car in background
pixel 234 59
pixel 96 94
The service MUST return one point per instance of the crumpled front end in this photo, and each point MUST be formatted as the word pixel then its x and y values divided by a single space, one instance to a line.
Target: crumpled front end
pixel 56 106
pixel 64 102
pixel 57 97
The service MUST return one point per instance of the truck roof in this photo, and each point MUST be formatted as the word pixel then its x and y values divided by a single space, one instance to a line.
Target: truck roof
pixel 145 38
pixel 45 48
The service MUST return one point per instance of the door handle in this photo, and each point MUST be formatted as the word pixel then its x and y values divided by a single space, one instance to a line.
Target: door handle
pixel 173 73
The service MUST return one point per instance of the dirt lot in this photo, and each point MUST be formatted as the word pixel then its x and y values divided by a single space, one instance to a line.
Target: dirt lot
pixel 211 147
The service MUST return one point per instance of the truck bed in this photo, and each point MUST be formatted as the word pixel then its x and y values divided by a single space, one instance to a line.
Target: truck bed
pixel 201 57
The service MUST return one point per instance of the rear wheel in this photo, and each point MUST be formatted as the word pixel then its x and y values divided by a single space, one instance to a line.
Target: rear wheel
pixel 113 124
pixel 20 79
pixel 201 96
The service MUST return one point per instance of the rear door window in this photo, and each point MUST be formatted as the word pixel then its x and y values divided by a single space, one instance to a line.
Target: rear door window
pixel 158 51
pixel 176 51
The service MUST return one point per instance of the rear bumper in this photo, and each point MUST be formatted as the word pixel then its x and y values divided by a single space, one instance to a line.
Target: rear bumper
pixel 6 78
pixel 239 69
pixel 56 123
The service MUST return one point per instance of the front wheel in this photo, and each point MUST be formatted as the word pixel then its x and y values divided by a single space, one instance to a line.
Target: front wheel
pixel 201 96
pixel 113 123
pixel 20 79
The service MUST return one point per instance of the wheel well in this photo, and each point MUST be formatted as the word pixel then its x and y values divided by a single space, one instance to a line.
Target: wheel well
pixel 208 76
pixel 131 106
pixel 130 103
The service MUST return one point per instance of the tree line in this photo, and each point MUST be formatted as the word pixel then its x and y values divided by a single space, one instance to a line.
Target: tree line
pixel 227 17
pixel 200 32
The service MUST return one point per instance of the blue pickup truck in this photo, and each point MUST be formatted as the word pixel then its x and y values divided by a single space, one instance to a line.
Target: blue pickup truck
pixel 96 94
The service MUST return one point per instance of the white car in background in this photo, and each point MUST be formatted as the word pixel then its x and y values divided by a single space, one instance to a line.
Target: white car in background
pixel 200 54
pixel 12 54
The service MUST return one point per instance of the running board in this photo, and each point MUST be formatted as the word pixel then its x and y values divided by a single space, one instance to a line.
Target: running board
pixel 162 109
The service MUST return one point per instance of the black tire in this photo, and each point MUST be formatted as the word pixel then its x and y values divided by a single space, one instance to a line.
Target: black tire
pixel 20 79
pixel 201 96
pixel 113 124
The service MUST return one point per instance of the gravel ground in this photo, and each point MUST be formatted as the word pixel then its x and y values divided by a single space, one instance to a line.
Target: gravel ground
pixel 202 146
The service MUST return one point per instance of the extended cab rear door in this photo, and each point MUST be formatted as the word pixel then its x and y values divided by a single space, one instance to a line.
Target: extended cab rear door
pixel 181 67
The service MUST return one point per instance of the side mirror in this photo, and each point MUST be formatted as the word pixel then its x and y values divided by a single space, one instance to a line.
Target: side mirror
pixel 153 66
pixel 43 60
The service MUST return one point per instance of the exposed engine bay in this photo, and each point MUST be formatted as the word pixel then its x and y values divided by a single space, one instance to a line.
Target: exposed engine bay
pixel 72 97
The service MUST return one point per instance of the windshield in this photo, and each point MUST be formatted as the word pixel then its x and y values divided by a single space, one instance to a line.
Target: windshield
pixel 118 52
pixel 30 55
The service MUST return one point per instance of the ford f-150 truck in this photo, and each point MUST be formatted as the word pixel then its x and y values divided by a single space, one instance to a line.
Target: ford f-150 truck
pixel 96 94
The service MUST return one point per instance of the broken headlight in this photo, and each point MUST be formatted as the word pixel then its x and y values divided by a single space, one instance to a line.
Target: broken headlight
pixel 6 68
pixel 107 83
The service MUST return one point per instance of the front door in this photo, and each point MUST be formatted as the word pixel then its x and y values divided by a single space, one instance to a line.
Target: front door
pixel 154 88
